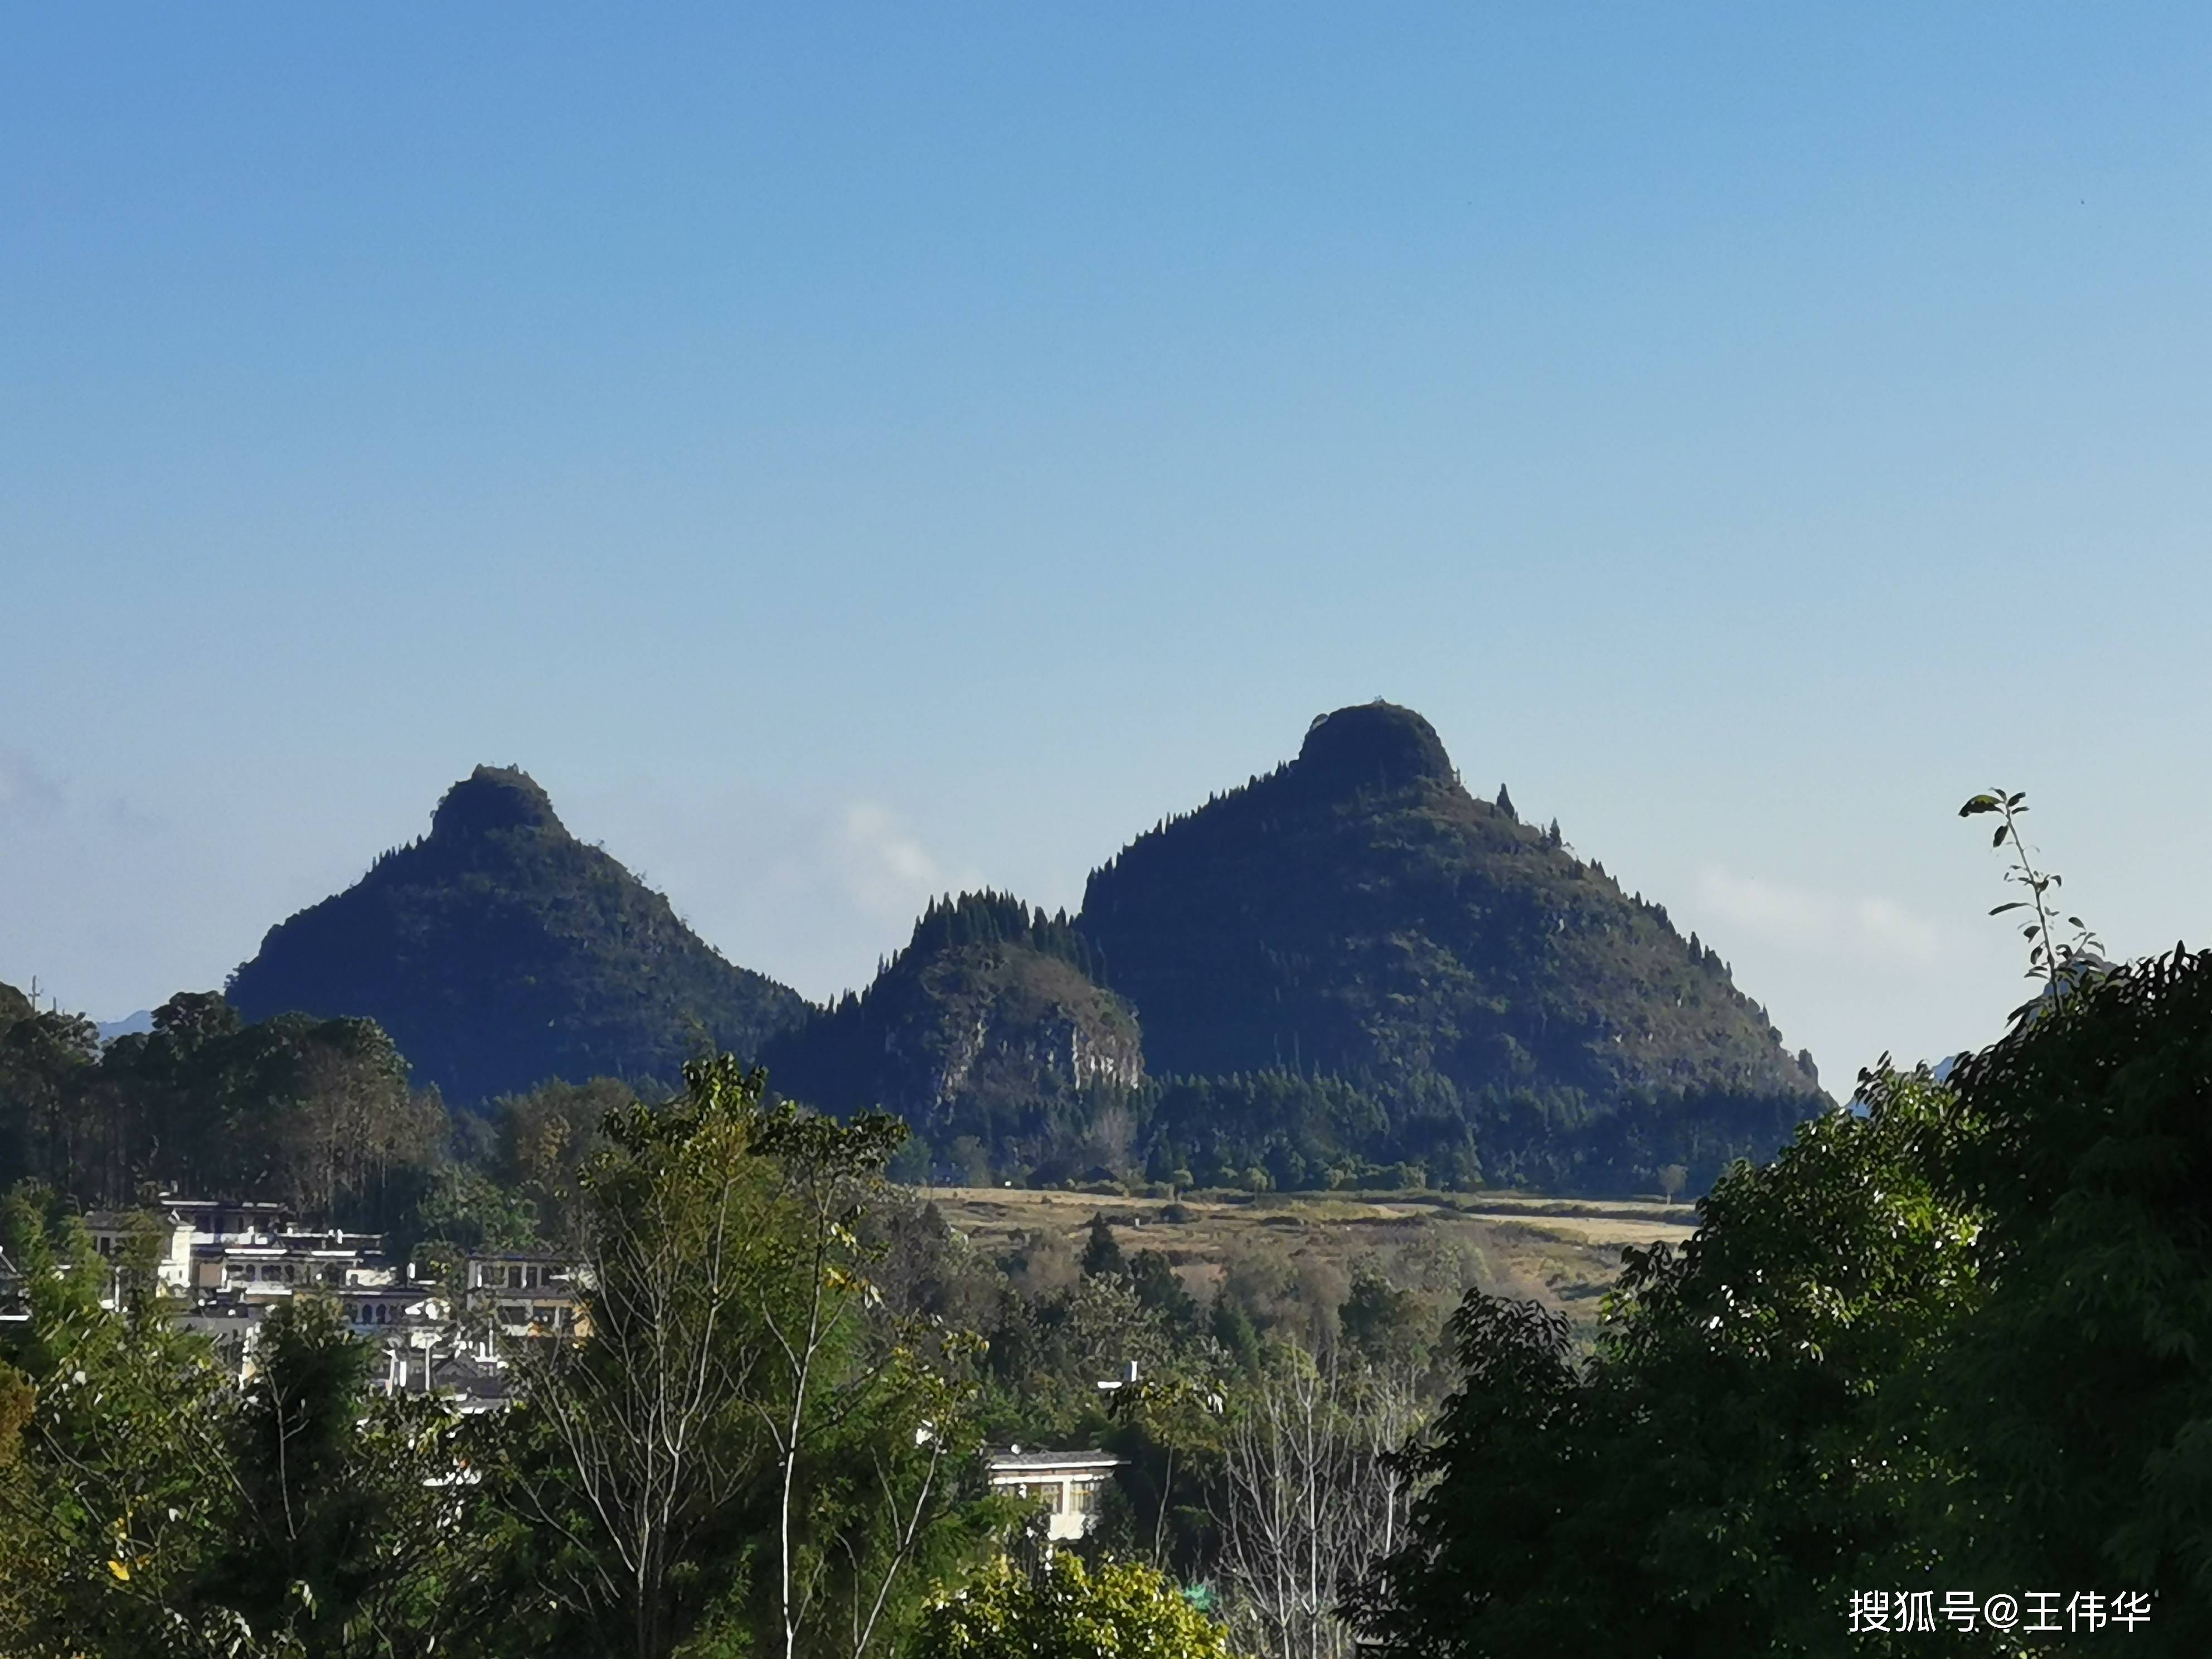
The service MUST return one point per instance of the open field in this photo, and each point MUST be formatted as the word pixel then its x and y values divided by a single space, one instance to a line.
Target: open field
pixel 1562 1252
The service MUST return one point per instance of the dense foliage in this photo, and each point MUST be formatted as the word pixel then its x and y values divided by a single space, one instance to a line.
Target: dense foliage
pixel 313 1114
pixel 1957 1344
pixel 767 1445
pixel 987 1029
pixel 148 1506
pixel 1953 1341
pixel 1430 991
pixel 1357 912
pixel 1953 1345
pixel 1124 1611
pixel 501 952
pixel 750 1452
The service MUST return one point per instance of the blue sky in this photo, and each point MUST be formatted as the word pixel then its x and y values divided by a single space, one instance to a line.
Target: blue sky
pixel 851 455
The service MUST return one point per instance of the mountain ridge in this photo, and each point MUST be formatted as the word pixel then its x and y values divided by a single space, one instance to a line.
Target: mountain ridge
pixel 499 950
pixel 988 1024
pixel 1356 912
pixel 1346 965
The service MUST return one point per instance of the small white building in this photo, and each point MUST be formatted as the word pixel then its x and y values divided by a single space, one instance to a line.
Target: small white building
pixel 526 1293
pixel 120 1234
pixel 1067 1484
pixel 380 1309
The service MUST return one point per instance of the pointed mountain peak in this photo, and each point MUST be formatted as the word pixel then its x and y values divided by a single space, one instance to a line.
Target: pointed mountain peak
pixel 1359 913
pixel 503 952
pixel 494 797
pixel 1371 745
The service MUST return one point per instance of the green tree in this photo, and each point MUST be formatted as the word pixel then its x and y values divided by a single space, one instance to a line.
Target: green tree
pixel 1168 1430
pixel 543 1141
pixel 115 1491
pixel 971 1161
pixel 740 1451
pixel 647 1418
pixel 1387 1325
pixel 2088 1362
pixel 315 1114
pixel 148 1506
pixel 463 1209
pixel 828 1173
pixel 345 1532
pixel 1102 1253
pixel 1125 1610
pixel 48 1062
pixel 1756 1436
pixel 1153 1277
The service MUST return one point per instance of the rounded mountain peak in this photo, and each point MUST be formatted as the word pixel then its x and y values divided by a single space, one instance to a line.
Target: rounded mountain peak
pixel 1371 745
pixel 494 797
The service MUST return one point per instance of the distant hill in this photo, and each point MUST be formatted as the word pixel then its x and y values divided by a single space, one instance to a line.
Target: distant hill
pixel 1356 914
pixel 501 950
pixel 989 1025
pixel 1348 972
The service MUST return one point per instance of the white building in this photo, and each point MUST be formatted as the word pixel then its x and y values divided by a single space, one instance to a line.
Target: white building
pixel 1067 1484
pixel 120 1234
pixel 524 1293
pixel 222 1266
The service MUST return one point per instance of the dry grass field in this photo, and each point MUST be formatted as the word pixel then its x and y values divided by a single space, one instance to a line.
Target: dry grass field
pixel 1562 1252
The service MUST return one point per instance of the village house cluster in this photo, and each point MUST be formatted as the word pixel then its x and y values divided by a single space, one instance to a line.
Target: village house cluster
pixel 221 1266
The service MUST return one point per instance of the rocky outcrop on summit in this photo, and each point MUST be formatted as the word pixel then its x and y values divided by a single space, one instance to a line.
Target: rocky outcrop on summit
pixel 1358 913
pixel 500 951
pixel 988 1024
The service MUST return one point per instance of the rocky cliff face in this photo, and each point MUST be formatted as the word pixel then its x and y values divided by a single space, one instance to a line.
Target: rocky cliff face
pixel 988 1024
pixel 500 951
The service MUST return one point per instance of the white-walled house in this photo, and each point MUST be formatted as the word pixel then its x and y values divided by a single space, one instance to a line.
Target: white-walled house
pixel 524 1293
pixel 1069 1484
pixel 118 1235
pixel 223 1264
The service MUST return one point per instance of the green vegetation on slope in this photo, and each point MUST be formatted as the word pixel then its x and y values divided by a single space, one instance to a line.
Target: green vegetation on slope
pixel 1358 913
pixel 986 1033
pixel 501 952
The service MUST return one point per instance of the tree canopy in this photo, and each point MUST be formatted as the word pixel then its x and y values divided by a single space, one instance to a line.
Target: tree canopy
pixel 1953 1343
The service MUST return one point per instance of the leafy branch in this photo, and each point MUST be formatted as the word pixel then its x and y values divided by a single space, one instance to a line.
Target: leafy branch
pixel 2047 960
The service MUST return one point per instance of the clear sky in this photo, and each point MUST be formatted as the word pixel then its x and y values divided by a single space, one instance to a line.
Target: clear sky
pixel 846 452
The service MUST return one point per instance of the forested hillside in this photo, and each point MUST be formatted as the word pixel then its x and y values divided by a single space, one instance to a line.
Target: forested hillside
pixel 1357 914
pixel 1349 972
pixel 990 1035
pixel 501 952
pixel 1949 1344
pixel 314 1113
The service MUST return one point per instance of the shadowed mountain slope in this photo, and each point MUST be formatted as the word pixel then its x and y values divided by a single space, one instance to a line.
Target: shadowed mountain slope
pixel 1357 912
pixel 988 1025
pixel 499 951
